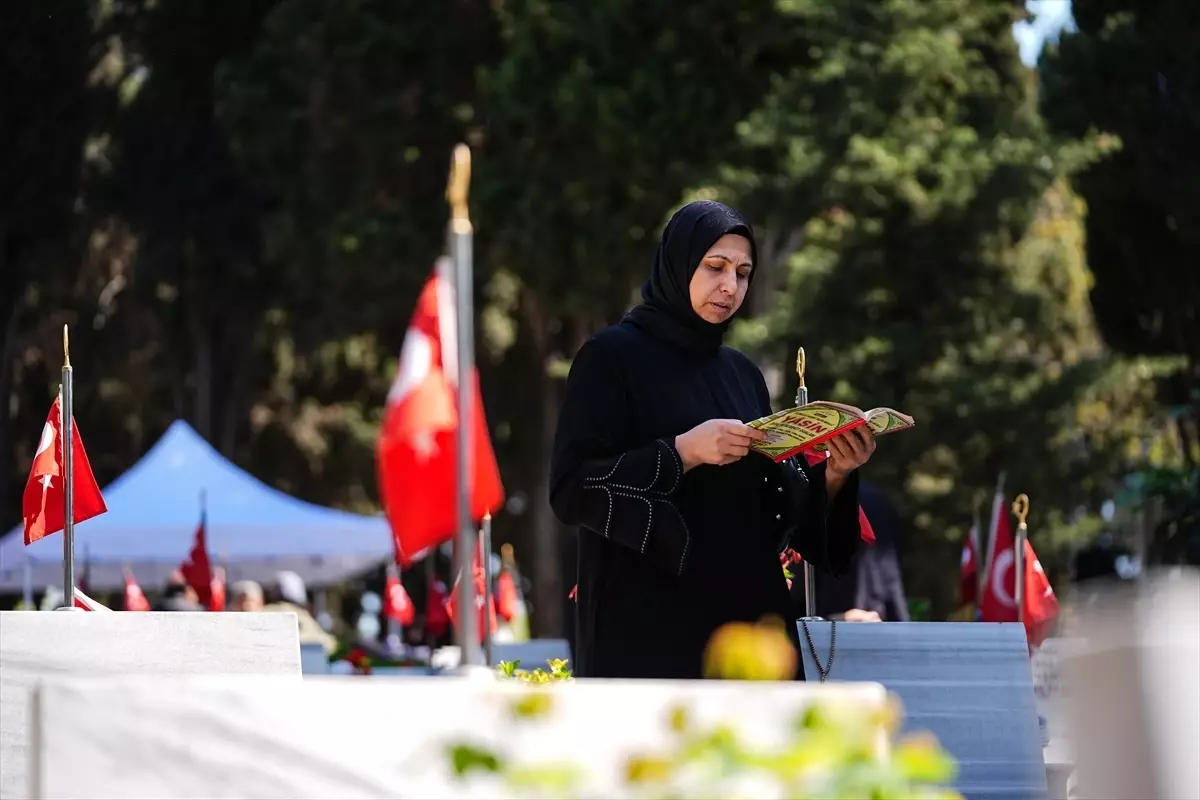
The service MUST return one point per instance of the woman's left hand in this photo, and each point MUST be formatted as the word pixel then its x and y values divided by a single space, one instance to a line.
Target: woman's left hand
pixel 850 450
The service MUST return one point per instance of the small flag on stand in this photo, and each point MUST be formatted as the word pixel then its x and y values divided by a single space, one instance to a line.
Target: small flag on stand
pixel 999 601
pixel 437 617
pixel 61 489
pixel 86 603
pixel 510 600
pixel 416 450
pixel 397 605
pixel 487 616
pixel 43 501
pixel 968 589
pixel 197 569
pixel 217 595
pixel 135 598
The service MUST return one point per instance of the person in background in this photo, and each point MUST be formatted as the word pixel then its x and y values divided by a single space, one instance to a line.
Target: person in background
pixel 290 595
pixel 872 589
pixel 178 596
pixel 246 596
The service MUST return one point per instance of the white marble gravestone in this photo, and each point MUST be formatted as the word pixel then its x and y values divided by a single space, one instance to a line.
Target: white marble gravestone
pixel 1050 689
pixel 969 683
pixel 1133 705
pixel 36 644
pixel 352 738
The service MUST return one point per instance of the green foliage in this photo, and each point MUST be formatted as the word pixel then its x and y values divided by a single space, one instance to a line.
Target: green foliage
pixel 350 141
pixel 943 267
pixel 558 671
pixel 1130 71
pixel 583 157
pixel 45 106
pixel 836 751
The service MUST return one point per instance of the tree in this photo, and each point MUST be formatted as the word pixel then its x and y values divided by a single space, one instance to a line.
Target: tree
pixel 942 271
pixel 585 153
pixel 1130 71
pixel 579 157
pixel 47 111
pixel 192 212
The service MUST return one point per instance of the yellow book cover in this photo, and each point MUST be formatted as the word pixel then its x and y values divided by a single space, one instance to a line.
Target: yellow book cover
pixel 808 427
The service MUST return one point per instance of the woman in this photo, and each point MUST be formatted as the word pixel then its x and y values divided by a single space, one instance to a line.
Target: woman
pixel 682 525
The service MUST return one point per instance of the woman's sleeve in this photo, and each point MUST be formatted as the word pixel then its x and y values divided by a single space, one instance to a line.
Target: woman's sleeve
pixel 599 482
pixel 825 533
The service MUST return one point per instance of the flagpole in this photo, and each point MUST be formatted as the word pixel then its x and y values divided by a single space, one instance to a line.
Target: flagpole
pixel 980 570
pixel 27 583
pixel 810 574
pixel 67 426
pixel 485 537
pixel 1020 508
pixel 993 524
pixel 461 252
pixel 395 630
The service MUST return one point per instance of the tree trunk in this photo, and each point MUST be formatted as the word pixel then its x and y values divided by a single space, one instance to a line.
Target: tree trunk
pixel 547 530
pixel 202 340
pixel 548 588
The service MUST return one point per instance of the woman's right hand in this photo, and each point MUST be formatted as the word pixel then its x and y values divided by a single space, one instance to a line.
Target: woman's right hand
pixel 718 441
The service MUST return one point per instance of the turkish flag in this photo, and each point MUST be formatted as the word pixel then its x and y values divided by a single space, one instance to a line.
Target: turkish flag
pixel 479 576
pixel 42 504
pixel 969 580
pixel 217 595
pixel 87 603
pixel 999 595
pixel 437 619
pixel 864 525
pixel 417 449
pixel 508 601
pixel 135 598
pixel 197 569
pixel 397 604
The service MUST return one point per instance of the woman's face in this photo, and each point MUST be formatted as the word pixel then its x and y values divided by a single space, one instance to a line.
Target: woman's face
pixel 719 284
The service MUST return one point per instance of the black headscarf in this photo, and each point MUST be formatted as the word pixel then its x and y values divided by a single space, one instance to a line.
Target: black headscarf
pixel 666 309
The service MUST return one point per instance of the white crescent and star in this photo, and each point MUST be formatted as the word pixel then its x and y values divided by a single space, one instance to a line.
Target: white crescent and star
pixel 1004 562
pixel 46 440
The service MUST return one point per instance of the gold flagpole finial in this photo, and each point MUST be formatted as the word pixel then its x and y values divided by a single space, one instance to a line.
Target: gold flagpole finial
pixel 66 348
pixel 800 364
pixel 1020 508
pixel 459 185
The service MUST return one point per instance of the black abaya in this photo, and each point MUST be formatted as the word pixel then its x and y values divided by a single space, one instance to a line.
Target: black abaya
pixel 665 558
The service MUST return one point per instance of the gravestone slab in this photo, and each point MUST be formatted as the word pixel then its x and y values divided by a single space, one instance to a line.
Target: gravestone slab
pixel 969 683
pixel 38 644
pixel 352 739
pixel 1133 705
pixel 1050 689
pixel 314 660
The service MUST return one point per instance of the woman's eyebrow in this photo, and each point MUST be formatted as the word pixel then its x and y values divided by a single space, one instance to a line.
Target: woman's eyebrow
pixel 730 260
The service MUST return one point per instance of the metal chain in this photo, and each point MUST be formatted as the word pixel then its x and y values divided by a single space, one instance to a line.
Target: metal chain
pixel 813 648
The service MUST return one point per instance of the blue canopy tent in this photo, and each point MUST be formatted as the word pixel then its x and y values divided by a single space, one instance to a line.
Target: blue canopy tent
pixel 253 530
